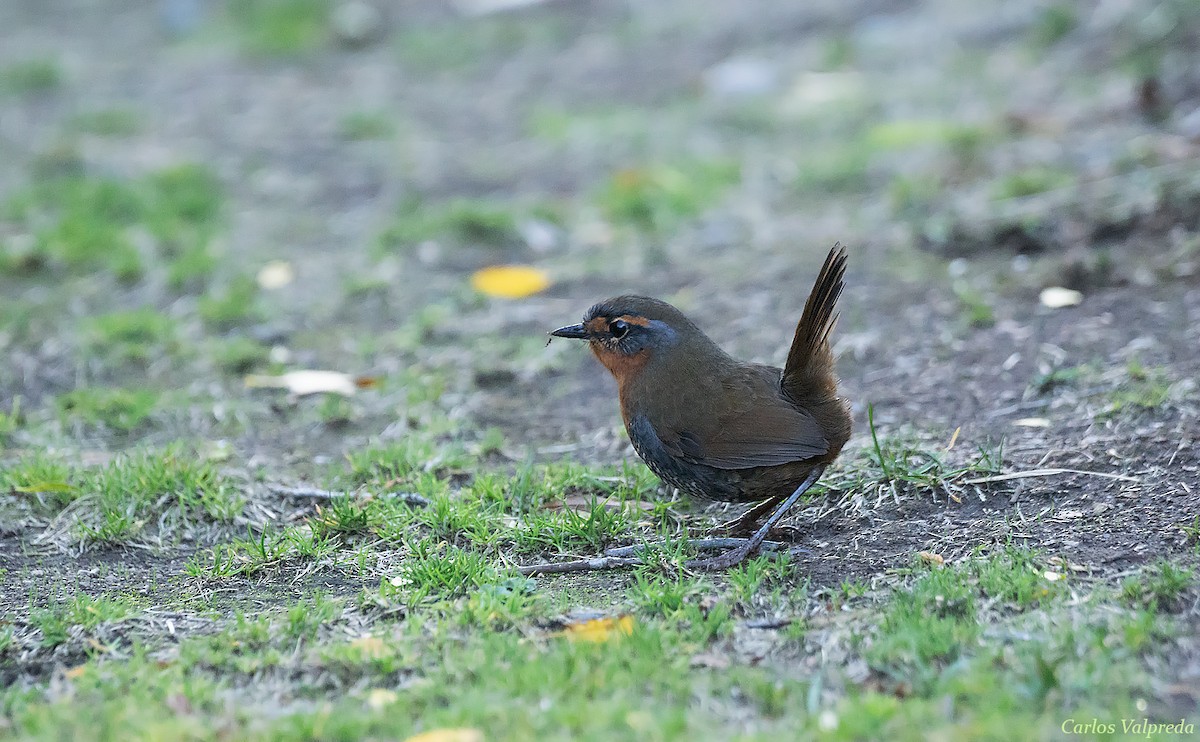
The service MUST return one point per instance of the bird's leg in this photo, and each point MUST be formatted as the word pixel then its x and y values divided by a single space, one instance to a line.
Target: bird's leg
pixel 744 524
pixel 739 554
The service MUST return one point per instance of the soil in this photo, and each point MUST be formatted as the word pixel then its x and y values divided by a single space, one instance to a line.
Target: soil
pixel 465 129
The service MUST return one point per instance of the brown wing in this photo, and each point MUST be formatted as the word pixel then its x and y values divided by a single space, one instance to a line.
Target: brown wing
pixel 763 430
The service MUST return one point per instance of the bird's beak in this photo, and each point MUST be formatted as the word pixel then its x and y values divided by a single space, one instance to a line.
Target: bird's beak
pixel 570 331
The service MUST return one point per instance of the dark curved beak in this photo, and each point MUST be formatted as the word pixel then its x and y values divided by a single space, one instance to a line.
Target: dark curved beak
pixel 570 331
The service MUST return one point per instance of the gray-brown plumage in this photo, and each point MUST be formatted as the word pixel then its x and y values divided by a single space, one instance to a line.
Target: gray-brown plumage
pixel 717 428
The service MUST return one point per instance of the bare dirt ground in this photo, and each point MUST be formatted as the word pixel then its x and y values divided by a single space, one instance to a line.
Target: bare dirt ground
pixel 968 154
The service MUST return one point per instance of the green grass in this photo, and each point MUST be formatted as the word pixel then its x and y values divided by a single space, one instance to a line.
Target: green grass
pixel 975 308
pixel 267 550
pixel 481 651
pixel 138 335
pixel 151 593
pixel 1061 377
pixel 116 409
pixel 10 420
pixel 42 480
pixel 402 462
pixel 1030 182
pixel 159 492
pixel 1053 24
pixel 89 221
pixel 31 76
pixel 190 268
pixel 184 198
pixel 233 305
pixel 1158 589
pixel 437 569
pixel 904 462
pixel 658 198
pixel 366 125
pixel 107 122
pixel 83 223
pixel 279 28
pixel 457 222
pixel 83 611
pixel 444 632
pixel 1144 388
pixel 908 133
pixel 238 354
pixel 463 49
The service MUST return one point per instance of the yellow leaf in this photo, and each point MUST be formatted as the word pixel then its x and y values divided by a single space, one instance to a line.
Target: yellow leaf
pixel 75 673
pixel 931 559
pixel 599 629
pixel 448 735
pixel 510 281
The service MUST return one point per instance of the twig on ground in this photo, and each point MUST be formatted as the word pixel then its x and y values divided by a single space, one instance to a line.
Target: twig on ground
pixel 581 565
pixel 409 498
pixel 702 544
pixel 622 556
pixel 777 622
pixel 1046 473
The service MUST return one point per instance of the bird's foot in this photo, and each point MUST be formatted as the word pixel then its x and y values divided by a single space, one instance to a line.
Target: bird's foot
pixel 725 560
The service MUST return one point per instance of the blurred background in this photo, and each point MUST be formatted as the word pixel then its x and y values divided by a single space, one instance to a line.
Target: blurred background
pixel 194 191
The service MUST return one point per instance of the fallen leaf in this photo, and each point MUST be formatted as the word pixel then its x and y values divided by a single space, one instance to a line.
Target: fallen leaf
pixel 932 559
pixel 380 698
pixel 276 274
pixel 301 383
pixel 1051 576
pixel 462 734
pixel 599 629
pixel 510 281
pixel 76 672
pixel 1057 297
pixel 1032 422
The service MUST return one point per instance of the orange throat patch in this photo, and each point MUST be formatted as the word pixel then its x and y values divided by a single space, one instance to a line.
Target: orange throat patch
pixel 623 367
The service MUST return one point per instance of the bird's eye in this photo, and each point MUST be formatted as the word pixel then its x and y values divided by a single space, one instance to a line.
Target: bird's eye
pixel 619 328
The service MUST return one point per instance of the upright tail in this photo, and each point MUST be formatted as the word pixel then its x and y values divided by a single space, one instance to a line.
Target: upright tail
pixel 808 374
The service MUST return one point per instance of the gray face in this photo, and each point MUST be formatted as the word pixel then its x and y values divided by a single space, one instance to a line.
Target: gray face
pixel 622 333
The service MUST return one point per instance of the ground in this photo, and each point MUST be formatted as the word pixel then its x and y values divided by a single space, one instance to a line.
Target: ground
pixel 195 195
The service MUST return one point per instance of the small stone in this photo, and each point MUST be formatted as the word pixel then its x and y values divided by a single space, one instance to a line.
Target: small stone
pixel 541 236
pixel 1057 297
pixel 276 274
pixel 740 77
pixel 356 24
pixel 180 17
pixel 1189 125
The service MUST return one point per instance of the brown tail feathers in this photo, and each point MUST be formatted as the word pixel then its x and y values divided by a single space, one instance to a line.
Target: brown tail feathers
pixel 808 372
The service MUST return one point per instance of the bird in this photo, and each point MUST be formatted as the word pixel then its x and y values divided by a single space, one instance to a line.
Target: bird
pixel 716 428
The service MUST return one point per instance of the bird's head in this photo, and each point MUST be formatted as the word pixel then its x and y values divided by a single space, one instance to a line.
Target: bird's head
pixel 627 332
